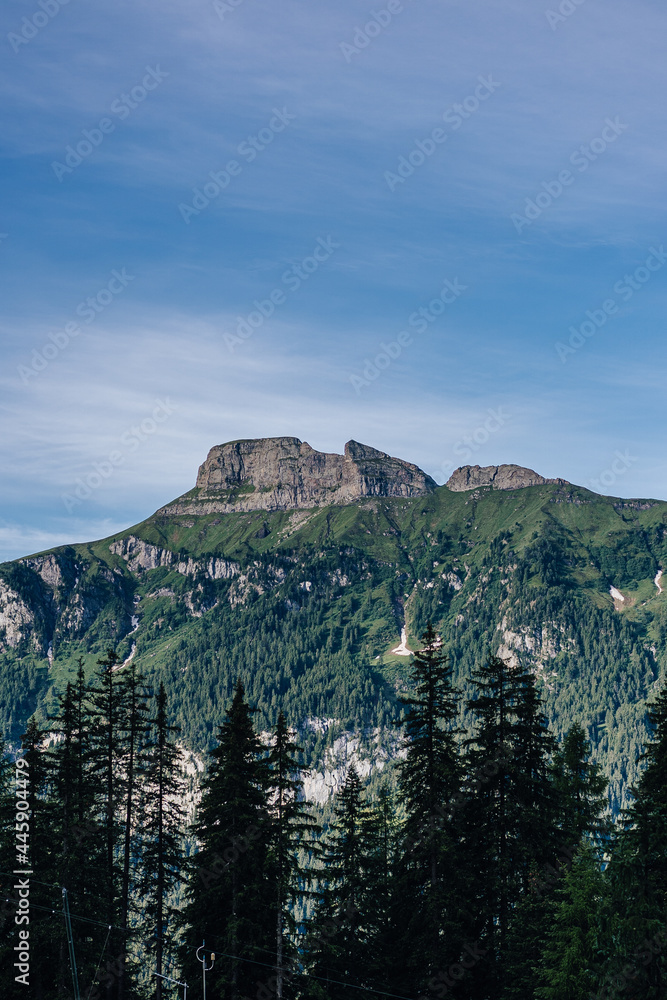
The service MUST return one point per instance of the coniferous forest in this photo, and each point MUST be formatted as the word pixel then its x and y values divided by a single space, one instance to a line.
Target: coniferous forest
pixel 486 866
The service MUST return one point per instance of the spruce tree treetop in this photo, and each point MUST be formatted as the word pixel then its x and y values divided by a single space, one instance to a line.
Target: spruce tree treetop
pixel 430 768
pixel 231 896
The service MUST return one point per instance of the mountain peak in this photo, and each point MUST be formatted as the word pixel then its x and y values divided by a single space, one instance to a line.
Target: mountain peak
pixel 284 473
pixel 500 477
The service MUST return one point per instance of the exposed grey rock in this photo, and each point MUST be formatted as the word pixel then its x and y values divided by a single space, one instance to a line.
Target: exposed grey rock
pixel 48 568
pixel 500 477
pixel 285 473
pixel 16 618
pixel 140 555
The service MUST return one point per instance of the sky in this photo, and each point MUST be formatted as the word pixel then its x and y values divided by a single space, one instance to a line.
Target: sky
pixel 435 226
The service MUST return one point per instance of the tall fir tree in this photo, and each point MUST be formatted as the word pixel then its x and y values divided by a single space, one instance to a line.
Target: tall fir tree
pixel 163 851
pixel 340 935
pixel 134 726
pixel 106 697
pixel 577 794
pixel 230 897
pixel 637 923
pixel 292 834
pixel 580 786
pixel 428 886
pixel 78 838
pixel 570 966
pixel 382 836
pixel 509 816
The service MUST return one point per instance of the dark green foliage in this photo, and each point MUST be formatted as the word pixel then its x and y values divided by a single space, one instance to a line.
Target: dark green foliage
pixel 571 966
pixel 162 855
pixel 106 720
pixel 78 846
pixel 429 779
pixel 508 819
pixel 231 899
pixel 292 832
pixel 341 939
pixel 580 787
pixel 638 873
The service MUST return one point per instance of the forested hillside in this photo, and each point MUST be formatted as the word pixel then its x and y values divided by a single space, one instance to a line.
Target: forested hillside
pixel 305 607
pixel 484 867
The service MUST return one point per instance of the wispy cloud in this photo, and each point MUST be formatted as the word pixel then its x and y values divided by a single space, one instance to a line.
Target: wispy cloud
pixel 164 336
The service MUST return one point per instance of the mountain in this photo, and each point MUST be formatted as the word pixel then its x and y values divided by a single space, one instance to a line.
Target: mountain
pixel 500 477
pixel 299 571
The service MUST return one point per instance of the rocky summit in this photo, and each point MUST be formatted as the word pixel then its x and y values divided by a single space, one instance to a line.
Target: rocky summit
pixel 285 473
pixel 499 477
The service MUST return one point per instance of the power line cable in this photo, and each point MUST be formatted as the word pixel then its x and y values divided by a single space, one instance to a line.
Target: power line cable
pixel 74 916
pixel 323 979
pixel 99 963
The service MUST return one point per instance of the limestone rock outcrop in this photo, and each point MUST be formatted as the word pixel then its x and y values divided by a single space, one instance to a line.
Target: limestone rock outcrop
pixel 285 473
pixel 500 477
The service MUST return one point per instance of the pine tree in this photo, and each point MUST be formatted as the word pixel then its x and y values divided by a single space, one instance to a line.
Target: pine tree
pixel 134 728
pixel 78 844
pixel 292 832
pixel 107 747
pixel 533 746
pixel 581 788
pixel 509 816
pixel 231 901
pixel 162 857
pixel 428 886
pixel 381 833
pixel 636 936
pixel 576 788
pixel 570 966
pixel 339 945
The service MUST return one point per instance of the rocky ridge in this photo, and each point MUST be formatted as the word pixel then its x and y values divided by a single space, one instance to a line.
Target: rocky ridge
pixel 285 473
pixel 499 477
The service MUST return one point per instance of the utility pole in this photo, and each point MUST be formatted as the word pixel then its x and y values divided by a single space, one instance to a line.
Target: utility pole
pixel 204 970
pixel 70 945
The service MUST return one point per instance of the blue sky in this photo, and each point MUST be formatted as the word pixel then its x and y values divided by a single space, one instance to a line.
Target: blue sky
pixel 315 106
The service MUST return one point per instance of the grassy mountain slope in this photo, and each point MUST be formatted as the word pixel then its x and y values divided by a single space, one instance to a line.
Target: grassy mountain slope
pixel 307 605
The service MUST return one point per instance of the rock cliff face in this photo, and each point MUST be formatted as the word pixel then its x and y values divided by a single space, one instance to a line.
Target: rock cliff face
pixel 500 477
pixel 285 473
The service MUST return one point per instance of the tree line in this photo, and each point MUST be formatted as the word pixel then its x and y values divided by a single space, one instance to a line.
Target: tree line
pixel 486 867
